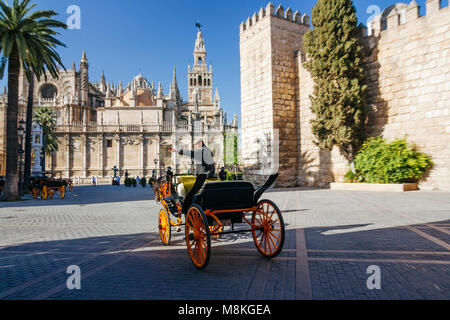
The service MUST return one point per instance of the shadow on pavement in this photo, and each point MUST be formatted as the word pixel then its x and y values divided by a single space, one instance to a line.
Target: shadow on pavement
pixel 84 195
pixel 137 266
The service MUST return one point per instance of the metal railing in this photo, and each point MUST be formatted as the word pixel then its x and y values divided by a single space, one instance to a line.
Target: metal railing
pixel 165 127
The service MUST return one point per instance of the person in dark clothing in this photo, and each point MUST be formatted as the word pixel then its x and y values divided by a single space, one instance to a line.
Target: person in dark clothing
pixel 203 158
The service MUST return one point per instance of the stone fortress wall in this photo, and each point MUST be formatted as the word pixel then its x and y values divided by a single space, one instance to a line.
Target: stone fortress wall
pixel 409 92
pixel 269 41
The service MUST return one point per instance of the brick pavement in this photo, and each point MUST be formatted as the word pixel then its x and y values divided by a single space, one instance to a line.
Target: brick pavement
pixel 332 238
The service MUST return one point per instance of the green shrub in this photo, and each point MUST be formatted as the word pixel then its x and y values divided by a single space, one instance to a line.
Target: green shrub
pixel 143 182
pixel 396 162
pixel 351 177
pixel 128 182
pixel 134 182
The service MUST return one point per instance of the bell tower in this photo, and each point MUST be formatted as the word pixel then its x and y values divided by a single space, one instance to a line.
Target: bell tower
pixel 200 76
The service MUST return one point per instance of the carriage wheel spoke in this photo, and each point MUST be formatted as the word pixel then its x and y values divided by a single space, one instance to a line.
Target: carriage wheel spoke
pixel 268 243
pixel 191 222
pixel 271 240
pixel 260 218
pixel 273 235
pixel 262 239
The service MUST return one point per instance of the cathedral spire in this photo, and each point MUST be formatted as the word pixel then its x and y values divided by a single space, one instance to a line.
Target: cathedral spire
pixel 103 83
pixel 216 95
pixel 84 58
pixel 160 94
pixel 174 92
pixel 199 78
pixel 108 91
pixel 174 78
pixel 199 50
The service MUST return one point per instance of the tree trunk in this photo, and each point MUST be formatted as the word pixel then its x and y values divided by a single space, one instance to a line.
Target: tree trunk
pixel 29 136
pixel 11 191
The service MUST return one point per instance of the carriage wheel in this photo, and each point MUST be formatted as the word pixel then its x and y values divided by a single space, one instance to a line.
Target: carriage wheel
pixel 198 238
pixel 165 231
pixel 44 192
pixel 62 192
pixel 34 192
pixel 269 239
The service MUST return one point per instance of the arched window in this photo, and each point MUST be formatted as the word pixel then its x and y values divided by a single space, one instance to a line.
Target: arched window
pixel 204 82
pixel 192 82
pixel 199 60
pixel 48 91
pixel 199 80
pixel 209 82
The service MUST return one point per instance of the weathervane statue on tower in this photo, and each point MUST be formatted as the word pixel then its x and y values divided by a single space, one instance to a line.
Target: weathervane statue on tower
pixel 199 26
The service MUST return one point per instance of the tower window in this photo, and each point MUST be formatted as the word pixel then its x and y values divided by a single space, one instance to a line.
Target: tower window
pixel 204 82
pixel 195 82
pixel 209 82
pixel 192 82
pixel 199 60
pixel 199 80
pixel 109 143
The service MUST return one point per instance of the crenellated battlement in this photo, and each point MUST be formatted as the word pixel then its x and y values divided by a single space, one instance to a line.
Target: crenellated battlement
pixel 403 14
pixel 279 12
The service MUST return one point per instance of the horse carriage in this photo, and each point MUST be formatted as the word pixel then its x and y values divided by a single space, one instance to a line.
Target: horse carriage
pixel 208 206
pixel 46 187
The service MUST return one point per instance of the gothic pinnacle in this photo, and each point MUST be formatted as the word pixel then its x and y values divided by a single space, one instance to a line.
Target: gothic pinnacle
pixel 84 58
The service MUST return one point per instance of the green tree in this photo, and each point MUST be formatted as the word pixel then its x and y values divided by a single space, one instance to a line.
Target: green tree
pixel 335 63
pixel 231 149
pixel 46 119
pixel 27 40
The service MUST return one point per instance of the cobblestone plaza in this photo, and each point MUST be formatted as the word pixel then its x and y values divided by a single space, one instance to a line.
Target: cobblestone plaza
pixel 332 239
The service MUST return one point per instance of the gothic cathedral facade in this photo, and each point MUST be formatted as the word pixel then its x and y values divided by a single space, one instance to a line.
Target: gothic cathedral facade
pixel 101 125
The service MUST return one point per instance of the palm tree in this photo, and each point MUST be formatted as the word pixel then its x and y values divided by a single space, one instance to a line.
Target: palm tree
pixel 46 119
pixel 27 40
pixel 28 135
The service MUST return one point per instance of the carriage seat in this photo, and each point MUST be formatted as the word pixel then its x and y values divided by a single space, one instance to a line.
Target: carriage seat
pixel 227 195
pixel 185 184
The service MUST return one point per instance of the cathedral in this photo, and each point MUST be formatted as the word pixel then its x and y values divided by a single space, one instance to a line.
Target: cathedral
pixel 133 126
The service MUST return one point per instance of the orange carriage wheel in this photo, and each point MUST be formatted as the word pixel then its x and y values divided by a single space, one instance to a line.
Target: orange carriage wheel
pixel 44 192
pixel 165 231
pixel 270 231
pixel 34 192
pixel 198 238
pixel 62 192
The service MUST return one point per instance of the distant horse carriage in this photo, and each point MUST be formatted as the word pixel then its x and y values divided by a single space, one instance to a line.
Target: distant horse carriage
pixel 45 187
pixel 206 209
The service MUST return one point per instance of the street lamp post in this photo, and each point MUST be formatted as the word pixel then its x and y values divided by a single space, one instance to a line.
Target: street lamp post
pixel 155 171
pixel 21 133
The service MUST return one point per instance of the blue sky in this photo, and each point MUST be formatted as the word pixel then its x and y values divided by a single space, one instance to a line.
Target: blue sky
pixel 124 38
